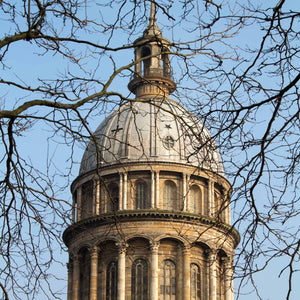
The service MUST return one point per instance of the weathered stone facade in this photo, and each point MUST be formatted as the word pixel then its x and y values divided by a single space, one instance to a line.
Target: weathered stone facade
pixel 151 214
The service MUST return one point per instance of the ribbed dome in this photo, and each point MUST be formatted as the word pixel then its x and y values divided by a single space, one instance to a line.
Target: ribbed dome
pixel 151 131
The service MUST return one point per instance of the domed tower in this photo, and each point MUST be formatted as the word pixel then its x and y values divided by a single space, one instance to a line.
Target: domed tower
pixel 151 216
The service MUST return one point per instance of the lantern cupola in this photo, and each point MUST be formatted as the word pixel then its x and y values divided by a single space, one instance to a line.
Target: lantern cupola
pixel 152 72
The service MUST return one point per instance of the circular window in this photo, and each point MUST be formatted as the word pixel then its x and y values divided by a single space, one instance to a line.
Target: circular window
pixel 168 142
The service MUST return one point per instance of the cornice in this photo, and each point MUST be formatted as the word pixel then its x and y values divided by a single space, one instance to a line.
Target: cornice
pixel 148 215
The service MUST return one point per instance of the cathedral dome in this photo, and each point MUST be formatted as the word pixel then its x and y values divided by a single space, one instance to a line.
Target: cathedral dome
pixel 151 207
pixel 152 130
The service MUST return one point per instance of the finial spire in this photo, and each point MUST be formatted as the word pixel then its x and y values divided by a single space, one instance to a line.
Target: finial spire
pixel 152 18
pixel 152 28
pixel 152 73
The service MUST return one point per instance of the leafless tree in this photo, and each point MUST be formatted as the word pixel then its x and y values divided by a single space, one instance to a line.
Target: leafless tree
pixel 236 64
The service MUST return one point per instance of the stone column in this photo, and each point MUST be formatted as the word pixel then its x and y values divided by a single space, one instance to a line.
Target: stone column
pixel 70 280
pixel 74 207
pixel 228 279
pixel 211 204
pixel 94 273
pixel 78 204
pixel 76 274
pixel 228 217
pixel 121 192
pixel 157 189
pixel 154 271
pixel 97 204
pixel 184 192
pixel 125 192
pixel 121 272
pixel 212 275
pixel 187 197
pixel 186 273
pixel 152 190
pixel 138 56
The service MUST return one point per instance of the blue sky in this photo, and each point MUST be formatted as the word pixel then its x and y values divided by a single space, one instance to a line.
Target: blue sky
pixel 25 62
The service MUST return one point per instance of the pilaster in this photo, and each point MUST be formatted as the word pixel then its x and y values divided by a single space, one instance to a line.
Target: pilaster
pixel 152 189
pixel 125 191
pixel 121 191
pixel 211 201
pixel 79 193
pixel 157 189
pixel 97 200
pixel 184 192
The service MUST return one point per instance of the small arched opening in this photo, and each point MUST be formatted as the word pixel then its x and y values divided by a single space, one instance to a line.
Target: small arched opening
pixel 170 196
pixel 166 67
pixel 84 273
pixel 168 280
pixel 139 280
pixel 195 282
pixel 112 281
pixel 113 197
pixel 146 63
pixel 87 199
pixel 140 194
pixel 195 199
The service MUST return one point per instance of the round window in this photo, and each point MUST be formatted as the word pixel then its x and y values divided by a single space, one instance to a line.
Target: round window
pixel 168 142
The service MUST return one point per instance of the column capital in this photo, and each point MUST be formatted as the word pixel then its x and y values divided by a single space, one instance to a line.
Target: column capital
pixel 211 253
pixel 227 260
pixel 121 270
pixel 122 246
pixel 123 172
pixel 154 245
pixel 75 257
pixel 94 251
pixel 69 266
pixel 186 250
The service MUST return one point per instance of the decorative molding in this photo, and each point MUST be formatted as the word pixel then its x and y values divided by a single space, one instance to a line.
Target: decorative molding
pixel 148 214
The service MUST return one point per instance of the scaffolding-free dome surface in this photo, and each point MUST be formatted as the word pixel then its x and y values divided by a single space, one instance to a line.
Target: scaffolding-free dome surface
pixel 151 130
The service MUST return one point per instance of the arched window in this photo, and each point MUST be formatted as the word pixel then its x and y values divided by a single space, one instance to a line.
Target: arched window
pixel 112 281
pixel 166 63
pixel 195 199
pixel 86 199
pixel 84 273
pixel 168 281
pixel 169 195
pixel 140 195
pixel 113 197
pixel 195 282
pixel 139 280
pixel 146 51
pixel 220 206
pixel 221 278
